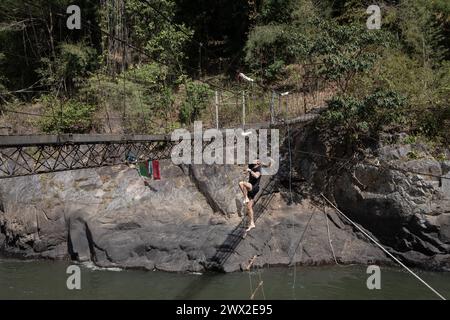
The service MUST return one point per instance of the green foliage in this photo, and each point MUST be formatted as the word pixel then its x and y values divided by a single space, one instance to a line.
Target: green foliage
pixel 343 51
pixel 435 123
pixel 281 41
pixel 347 50
pixel 153 76
pixel 274 70
pixel 163 39
pixel 263 50
pixel 197 99
pixel 425 88
pixel 270 48
pixel 413 155
pixel 281 38
pixel 277 11
pixel 422 85
pixel 69 116
pixel 30 34
pixel 168 45
pixel 421 23
pixel 70 67
pixel 355 119
pixel 410 139
pixel 139 97
pixel 3 90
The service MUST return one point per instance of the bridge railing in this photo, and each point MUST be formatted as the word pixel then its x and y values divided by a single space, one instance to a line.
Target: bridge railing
pixel 253 105
pixel 29 155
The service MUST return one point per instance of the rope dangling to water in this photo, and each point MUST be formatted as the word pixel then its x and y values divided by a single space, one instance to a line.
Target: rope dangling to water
pixel 386 251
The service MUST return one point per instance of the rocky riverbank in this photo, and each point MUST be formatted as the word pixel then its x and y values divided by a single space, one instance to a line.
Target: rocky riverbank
pixel 408 212
pixel 110 217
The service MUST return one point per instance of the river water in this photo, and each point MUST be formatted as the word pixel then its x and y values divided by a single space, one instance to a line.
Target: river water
pixel 47 280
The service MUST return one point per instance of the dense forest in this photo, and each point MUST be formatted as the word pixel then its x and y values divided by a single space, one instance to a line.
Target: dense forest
pixel 149 66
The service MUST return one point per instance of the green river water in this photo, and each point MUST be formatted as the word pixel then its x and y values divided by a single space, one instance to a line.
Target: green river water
pixel 47 280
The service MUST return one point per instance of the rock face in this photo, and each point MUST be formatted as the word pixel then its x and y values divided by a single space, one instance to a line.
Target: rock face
pixel 407 212
pixel 193 215
pixel 111 217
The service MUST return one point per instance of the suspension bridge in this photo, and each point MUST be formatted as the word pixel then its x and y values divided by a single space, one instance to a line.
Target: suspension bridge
pixel 37 154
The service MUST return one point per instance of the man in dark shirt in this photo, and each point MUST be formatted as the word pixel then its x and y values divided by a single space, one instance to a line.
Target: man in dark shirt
pixel 251 188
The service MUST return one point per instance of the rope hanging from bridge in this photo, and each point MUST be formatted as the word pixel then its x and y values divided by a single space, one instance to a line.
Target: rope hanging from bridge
pixel 384 249
pixel 291 199
pixel 329 236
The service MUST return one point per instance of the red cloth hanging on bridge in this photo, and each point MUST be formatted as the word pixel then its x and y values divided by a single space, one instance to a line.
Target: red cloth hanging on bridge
pixel 156 170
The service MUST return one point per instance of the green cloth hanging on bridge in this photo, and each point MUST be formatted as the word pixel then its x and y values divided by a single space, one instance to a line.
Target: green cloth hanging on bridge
pixel 143 169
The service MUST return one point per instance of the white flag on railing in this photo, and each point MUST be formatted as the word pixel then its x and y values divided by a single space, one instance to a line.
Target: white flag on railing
pixel 243 76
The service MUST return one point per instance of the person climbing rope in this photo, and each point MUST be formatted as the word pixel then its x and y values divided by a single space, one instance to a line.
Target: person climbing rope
pixel 251 188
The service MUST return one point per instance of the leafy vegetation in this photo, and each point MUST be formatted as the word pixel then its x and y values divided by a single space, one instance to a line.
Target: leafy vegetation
pixel 356 119
pixel 148 66
pixel 197 96
pixel 70 67
pixel 66 116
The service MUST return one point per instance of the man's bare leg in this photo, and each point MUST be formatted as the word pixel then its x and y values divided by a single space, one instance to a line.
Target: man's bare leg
pixel 251 225
pixel 245 188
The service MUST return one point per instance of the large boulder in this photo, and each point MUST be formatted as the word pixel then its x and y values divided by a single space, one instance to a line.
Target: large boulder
pixel 406 211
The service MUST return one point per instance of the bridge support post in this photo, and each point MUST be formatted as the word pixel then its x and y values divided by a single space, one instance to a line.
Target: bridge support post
pixel 272 116
pixel 243 109
pixel 217 109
